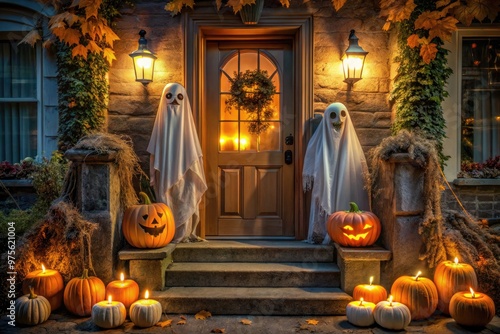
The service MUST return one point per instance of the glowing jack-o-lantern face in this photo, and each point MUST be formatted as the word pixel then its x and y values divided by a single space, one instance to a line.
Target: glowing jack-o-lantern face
pixel 353 228
pixel 149 225
pixel 337 117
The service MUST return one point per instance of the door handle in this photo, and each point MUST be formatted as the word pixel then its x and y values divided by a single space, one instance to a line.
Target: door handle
pixel 288 157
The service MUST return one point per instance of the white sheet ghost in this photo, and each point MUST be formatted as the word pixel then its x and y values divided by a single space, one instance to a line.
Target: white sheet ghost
pixel 176 165
pixel 333 168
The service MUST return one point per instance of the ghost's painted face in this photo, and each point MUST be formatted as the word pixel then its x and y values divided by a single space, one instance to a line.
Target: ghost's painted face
pixel 337 118
pixel 174 95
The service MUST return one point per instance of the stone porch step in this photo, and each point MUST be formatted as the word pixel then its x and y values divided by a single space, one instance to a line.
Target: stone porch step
pixel 253 251
pixel 254 301
pixel 252 274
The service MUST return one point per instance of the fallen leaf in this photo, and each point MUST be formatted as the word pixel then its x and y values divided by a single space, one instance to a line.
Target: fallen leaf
pixel 166 323
pixel 183 317
pixel 218 330
pixel 312 322
pixel 202 315
pixel 181 322
pixel 246 321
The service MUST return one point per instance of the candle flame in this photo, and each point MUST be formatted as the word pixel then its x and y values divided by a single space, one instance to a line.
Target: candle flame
pixel 146 295
pixel 122 277
pixel 361 301
pixel 43 269
pixel 109 299
pixel 371 280
pixel 472 292
pixel 390 300
pixel 418 274
pixel 456 260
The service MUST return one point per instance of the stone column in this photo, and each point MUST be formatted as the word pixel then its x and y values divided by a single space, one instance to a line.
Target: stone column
pixel 398 201
pixel 98 199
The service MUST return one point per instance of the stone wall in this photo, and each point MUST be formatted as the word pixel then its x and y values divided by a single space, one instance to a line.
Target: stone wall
pixel 481 198
pixel 132 106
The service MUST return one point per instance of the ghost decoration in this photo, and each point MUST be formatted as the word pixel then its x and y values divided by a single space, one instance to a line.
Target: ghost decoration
pixel 176 164
pixel 334 166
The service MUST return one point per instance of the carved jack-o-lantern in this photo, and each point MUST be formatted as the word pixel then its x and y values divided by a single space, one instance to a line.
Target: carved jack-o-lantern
pixel 149 225
pixel 353 228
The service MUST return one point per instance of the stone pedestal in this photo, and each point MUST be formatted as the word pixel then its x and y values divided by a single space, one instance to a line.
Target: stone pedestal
pixel 398 201
pixel 98 199
pixel 358 264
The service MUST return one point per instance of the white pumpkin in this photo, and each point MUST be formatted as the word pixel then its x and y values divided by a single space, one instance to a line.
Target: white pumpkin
pixel 392 315
pixel 109 314
pixel 145 312
pixel 360 313
pixel 32 309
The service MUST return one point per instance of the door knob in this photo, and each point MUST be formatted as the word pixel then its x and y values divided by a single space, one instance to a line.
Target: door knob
pixel 288 157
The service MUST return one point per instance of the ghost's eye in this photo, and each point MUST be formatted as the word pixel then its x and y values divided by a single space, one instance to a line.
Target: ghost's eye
pixel 168 96
pixel 145 217
pixel 342 113
pixel 333 115
pixel 180 96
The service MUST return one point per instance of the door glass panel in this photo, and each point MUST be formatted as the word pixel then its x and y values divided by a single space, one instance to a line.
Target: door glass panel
pixel 238 135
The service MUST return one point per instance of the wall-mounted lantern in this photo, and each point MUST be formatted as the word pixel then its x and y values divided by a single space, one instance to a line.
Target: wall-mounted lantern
pixel 353 60
pixel 144 61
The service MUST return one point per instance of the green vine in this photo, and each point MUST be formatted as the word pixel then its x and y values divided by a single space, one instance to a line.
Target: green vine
pixel 253 91
pixel 419 88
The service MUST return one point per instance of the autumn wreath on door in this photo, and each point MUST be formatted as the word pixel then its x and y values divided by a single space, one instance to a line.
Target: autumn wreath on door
pixel 253 92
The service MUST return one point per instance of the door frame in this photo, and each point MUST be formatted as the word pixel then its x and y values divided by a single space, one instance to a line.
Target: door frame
pixel 201 26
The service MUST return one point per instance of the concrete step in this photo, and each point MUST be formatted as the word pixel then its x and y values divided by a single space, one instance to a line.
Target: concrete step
pixel 254 301
pixel 250 274
pixel 253 251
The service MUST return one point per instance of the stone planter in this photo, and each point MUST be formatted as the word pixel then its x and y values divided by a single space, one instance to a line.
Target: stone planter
pixel 250 14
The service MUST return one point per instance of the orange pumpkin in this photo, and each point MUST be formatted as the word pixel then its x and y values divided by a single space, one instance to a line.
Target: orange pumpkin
pixel 81 293
pixel 353 228
pixel 450 278
pixel 48 283
pixel 472 309
pixel 125 291
pixel 148 225
pixel 418 293
pixel 370 292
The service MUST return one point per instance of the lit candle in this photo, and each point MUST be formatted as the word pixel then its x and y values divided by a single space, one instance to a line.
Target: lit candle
pixel 450 278
pixel 108 313
pixel 360 313
pixel 370 292
pixel 48 283
pixel 392 315
pixel 145 312
pixel 471 308
pixel 123 290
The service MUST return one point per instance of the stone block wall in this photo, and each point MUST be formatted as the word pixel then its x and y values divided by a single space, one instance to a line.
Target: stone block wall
pixel 479 199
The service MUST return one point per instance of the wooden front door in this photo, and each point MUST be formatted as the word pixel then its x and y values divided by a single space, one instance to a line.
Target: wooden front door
pixel 250 176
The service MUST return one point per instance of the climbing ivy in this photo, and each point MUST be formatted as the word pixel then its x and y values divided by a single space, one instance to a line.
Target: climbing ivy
pixel 419 88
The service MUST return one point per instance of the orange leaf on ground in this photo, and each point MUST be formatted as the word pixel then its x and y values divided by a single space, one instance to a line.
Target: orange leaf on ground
pixel 312 322
pixel 246 321
pixel 181 322
pixel 166 323
pixel 202 315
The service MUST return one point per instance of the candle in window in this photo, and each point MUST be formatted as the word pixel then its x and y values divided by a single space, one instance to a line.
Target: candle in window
pixel 471 308
pixel 243 144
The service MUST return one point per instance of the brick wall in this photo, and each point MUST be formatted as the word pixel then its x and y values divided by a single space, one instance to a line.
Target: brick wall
pixel 480 200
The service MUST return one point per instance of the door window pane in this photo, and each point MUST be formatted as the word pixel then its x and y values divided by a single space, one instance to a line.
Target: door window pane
pixel 240 130
pixel 480 114
pixel 18 104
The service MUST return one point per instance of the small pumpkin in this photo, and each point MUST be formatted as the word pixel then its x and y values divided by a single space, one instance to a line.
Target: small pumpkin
pixel 48 283
pixel 472 309
pixel 360 313
pixel 370 292
pixel 108 314
pixel 81 293
pixel 32 309
pixel 148 225
pixel 125 291
pixel 145 312
pixel 353 228
pixel 418 293
pixel 450 278
pixel 392 315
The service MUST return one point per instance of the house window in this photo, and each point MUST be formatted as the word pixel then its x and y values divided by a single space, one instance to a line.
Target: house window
pixel 480 98
pixel 19 105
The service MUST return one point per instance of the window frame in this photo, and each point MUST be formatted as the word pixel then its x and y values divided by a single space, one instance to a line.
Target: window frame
pixel 452 106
